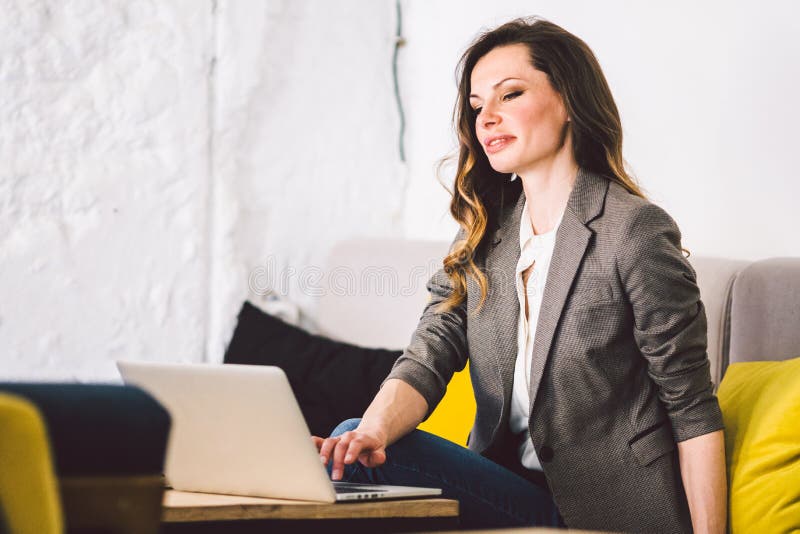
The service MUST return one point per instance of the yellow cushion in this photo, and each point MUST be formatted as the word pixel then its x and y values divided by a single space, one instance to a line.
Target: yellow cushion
pixel 760 404
pixel 453 417
pixel 28 488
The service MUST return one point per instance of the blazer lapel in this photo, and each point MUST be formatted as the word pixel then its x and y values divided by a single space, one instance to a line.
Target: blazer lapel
pixel 502 308
pixel 572 238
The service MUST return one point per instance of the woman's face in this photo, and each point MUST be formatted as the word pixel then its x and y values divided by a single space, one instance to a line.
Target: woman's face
pixel 521 119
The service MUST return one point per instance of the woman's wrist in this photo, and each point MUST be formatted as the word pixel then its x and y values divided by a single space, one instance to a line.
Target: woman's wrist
pixel 375 428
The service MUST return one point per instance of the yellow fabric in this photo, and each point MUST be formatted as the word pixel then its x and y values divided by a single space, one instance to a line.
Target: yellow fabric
pixel 453 417
pixel 28 490
pixel 760 404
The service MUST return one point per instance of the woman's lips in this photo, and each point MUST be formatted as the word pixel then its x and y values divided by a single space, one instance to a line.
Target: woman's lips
pixel 499 143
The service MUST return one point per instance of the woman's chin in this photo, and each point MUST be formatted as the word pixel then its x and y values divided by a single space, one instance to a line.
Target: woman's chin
pixel 502 168
pixel 501 163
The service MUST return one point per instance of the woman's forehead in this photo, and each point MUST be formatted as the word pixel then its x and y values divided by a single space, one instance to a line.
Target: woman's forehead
pixel 500 64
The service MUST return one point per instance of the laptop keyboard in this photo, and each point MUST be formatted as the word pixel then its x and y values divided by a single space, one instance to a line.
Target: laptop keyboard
pixel 343 487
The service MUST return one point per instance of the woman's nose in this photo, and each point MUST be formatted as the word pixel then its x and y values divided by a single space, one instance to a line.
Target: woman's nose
pixel 488 117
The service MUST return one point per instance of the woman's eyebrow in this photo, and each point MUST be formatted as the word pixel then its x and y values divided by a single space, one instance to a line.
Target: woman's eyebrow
pixel 497 84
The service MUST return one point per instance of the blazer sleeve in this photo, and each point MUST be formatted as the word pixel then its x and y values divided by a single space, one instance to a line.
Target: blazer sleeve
pixel 438 346
pixel 669 320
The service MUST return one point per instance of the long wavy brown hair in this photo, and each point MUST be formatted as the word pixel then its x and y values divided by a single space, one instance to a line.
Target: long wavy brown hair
pixel 479 191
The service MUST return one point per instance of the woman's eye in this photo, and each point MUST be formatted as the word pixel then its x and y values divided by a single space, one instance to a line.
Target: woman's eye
pixel 509 96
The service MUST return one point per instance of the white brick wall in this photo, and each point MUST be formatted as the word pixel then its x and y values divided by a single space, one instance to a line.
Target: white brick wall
pixel 104 182
pixel 305 150
pixel 154 153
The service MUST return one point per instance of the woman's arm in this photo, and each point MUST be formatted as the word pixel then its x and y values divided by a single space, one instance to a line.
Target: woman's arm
pixel 395 411
pixel 671 331
pixel 702 462
pixel 414 386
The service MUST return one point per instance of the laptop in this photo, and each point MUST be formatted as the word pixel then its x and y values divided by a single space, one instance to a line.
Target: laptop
pixel 238 430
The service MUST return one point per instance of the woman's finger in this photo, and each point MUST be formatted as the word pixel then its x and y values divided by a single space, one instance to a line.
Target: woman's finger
pixel 373 458
pixel 326 449
pixel 339 453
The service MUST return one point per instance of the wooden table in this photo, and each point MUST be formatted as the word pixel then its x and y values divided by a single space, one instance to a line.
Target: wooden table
pixel 203 512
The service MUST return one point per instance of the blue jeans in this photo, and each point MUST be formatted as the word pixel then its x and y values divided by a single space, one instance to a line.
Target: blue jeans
pixel 489 495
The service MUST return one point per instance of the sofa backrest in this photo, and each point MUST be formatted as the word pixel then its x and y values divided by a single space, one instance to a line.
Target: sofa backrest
pixel 765 311
pixel 375 291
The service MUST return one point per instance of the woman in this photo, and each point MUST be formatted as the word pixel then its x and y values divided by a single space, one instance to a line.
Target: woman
pixel 569 295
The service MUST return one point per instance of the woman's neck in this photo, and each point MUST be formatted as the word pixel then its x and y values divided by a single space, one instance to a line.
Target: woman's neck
pixel 547 189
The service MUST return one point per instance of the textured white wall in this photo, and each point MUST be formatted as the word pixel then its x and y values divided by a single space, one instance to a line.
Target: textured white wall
pixel 305 146
pixel 104 181
pixel 154 155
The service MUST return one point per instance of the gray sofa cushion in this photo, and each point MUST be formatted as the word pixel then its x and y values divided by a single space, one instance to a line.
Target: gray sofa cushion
pixel 765 311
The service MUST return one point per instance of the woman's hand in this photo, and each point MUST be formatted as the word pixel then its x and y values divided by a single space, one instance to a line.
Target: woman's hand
pixel 366 446
pixel 395 411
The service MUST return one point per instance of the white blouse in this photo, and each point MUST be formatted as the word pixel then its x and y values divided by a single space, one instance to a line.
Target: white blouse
pixel 536 250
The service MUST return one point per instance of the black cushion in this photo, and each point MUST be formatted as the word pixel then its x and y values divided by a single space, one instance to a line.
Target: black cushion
pixel 97 429
pixel 332 381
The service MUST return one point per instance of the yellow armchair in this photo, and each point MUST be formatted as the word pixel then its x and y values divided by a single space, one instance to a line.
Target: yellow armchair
pixel 28 489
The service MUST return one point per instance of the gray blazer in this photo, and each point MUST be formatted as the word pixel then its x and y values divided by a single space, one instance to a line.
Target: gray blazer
pixel 620 370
